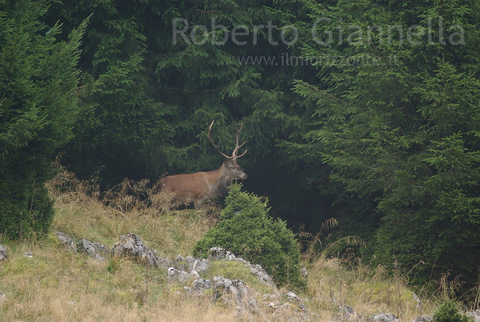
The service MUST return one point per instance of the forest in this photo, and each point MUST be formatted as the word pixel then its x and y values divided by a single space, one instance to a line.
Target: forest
pixel 366 111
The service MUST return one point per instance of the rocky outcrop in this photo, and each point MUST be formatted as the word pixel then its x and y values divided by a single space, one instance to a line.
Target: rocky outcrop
pixel 132 246
pixel 66 241
pixel 260 273
pixel 178 276
pixel 235 292
pixel 92 249
pixel 218 253
pixel 199 286
pixel 289 305
pixel 189 264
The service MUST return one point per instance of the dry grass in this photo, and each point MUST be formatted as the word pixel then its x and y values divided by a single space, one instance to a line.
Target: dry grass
pixel 56 285
pixel 82 212
pixel 369 292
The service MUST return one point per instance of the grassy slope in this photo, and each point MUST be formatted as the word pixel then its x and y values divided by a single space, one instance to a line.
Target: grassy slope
pixel 59 285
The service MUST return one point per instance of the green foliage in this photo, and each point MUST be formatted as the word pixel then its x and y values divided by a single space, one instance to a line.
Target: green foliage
pixel 248 231
pixel 146 99
pixel 401 131
pixel 448 312
pixel 38 107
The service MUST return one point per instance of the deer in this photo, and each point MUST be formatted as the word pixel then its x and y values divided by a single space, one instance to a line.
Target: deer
pixel 200 187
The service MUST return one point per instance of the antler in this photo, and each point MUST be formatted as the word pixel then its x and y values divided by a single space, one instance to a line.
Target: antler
pixel 213 143
pixel 237 145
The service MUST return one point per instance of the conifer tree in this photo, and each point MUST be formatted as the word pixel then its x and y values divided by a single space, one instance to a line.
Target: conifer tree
pixel 38 107
pixel 147 97
pixel 393 114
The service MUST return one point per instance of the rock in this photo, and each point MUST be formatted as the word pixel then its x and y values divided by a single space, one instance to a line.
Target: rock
pixel 292 297
pixel 3 253
pixel 220 253
pixel 177 276
pixel 28 254
pixel 2 296
pixel 132 246
pixel 199 286
pixel 273 305
pixel 201 283
pixel 263 276
pixel 66 241
pixel 385 317
pixel 423 318
pixel 419 305
pixel 236 292
pixel 199 265
pixel 474 315
pixel 179 263
pixel 241 260
pixel 216 253
pixel 295 300
pixel 347 311
pixel 293 310
pixel 92 249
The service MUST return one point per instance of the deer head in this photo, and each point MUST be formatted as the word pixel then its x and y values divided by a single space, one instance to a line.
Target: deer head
pixel 232 169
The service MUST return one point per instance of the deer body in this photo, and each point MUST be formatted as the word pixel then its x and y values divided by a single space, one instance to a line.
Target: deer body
pixel 202 186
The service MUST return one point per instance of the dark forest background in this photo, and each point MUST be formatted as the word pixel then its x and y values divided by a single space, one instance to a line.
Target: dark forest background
pixel 366 111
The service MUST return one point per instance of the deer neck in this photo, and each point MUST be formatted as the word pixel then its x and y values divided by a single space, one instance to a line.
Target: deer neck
pixel 222 181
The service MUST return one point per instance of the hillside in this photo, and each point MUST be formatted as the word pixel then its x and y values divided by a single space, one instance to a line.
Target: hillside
pixel 360 113
pixel 56 284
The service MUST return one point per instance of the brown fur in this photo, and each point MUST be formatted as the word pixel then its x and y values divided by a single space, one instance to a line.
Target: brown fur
pixel 202 186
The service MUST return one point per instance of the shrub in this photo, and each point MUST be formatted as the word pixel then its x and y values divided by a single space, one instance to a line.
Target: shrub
pixel 448 312
pixel 247 230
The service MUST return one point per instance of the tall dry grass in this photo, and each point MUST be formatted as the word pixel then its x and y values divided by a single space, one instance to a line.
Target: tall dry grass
pixel 338 280
pixel 367 291
pixel 84 212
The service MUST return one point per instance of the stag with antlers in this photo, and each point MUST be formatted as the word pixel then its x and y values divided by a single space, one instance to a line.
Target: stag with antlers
pixel 200 187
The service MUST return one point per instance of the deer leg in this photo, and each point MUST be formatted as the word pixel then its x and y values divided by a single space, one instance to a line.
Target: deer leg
pixel 197 203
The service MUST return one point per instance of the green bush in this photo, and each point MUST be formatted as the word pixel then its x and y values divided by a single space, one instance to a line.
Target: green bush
pixel 248 231
pixel 448 312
